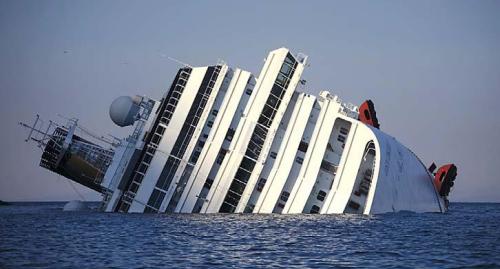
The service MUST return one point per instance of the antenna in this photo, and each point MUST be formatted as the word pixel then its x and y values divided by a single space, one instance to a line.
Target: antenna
pixel 179 62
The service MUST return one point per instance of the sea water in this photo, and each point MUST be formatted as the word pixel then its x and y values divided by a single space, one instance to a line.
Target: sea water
pixel 41 235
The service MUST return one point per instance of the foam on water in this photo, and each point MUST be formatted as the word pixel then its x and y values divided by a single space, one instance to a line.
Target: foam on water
pixel 41 235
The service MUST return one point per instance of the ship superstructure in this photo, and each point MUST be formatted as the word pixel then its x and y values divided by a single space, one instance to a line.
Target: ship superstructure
pixel 222 140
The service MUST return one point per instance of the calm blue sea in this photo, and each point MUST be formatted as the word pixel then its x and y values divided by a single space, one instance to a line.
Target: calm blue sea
pixel 41 235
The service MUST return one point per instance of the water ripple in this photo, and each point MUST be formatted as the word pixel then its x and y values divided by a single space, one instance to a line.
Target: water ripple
pixel 41 235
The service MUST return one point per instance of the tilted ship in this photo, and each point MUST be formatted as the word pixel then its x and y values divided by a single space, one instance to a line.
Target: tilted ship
pixel 224 141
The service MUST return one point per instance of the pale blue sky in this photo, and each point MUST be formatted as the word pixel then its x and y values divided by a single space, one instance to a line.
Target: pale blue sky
pixel 431 67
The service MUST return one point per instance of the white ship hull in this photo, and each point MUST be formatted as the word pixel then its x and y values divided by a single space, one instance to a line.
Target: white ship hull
pixel 224 141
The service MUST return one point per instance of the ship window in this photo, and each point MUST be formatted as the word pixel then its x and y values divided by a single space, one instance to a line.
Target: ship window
pixel 253 150
pixel 303 146
pixel 230 134
pixel 142 168
pixel 208 183
pixel 273 155
pixel 201 144
pixel 195 157
pixel 344 131
pixel 284 196
pixel 232 198
pixel 328 166
pixel 226 208
pixel 134 187
pixel 341 138
pixel 290 60
pixel 286 70
pixel 273 101
pixel 160 129
pixel 261 184
pixel 268 112
pixel 277 91
pixel 299 160
pixel 156 139
pixel 242 175
pixel 314 209
pixel 237 186
pixel 221 155
pixel 353 205
pixel 281 80
pixel 247 164
pixel 264 121
pixel 156 199
pixel 147 158
pixel 138 177
pixel 321 195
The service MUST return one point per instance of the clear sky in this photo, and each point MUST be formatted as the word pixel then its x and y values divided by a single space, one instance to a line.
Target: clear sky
pixel 432 69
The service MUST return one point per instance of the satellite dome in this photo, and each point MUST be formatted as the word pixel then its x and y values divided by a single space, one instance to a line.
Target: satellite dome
pixel 123 110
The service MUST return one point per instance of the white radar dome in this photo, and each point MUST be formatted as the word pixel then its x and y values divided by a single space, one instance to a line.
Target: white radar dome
pixel 123 110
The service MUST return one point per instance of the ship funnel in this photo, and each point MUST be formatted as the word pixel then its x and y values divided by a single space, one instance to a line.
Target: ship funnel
pixel 123 110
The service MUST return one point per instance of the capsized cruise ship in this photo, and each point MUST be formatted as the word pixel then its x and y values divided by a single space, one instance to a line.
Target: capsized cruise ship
pixel 222 140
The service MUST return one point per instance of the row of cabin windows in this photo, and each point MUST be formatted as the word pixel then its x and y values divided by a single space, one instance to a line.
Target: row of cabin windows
pixel 256 141
pixel 194 114
pixel 237 186
pixel 196 154
pixel 277 92
pixel 144 164
pixel 172 101
pixel 258 137
pixel 168 172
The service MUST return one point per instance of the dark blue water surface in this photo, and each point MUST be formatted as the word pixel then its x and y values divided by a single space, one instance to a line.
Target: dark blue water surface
pixel 41 235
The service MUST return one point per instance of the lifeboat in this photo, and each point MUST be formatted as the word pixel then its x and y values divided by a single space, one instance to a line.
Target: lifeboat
pixel 368 115
pixel 444 179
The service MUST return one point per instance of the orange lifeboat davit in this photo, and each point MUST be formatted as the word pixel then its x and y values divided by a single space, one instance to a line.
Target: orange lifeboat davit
pixel 367 114
pixel 444 179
